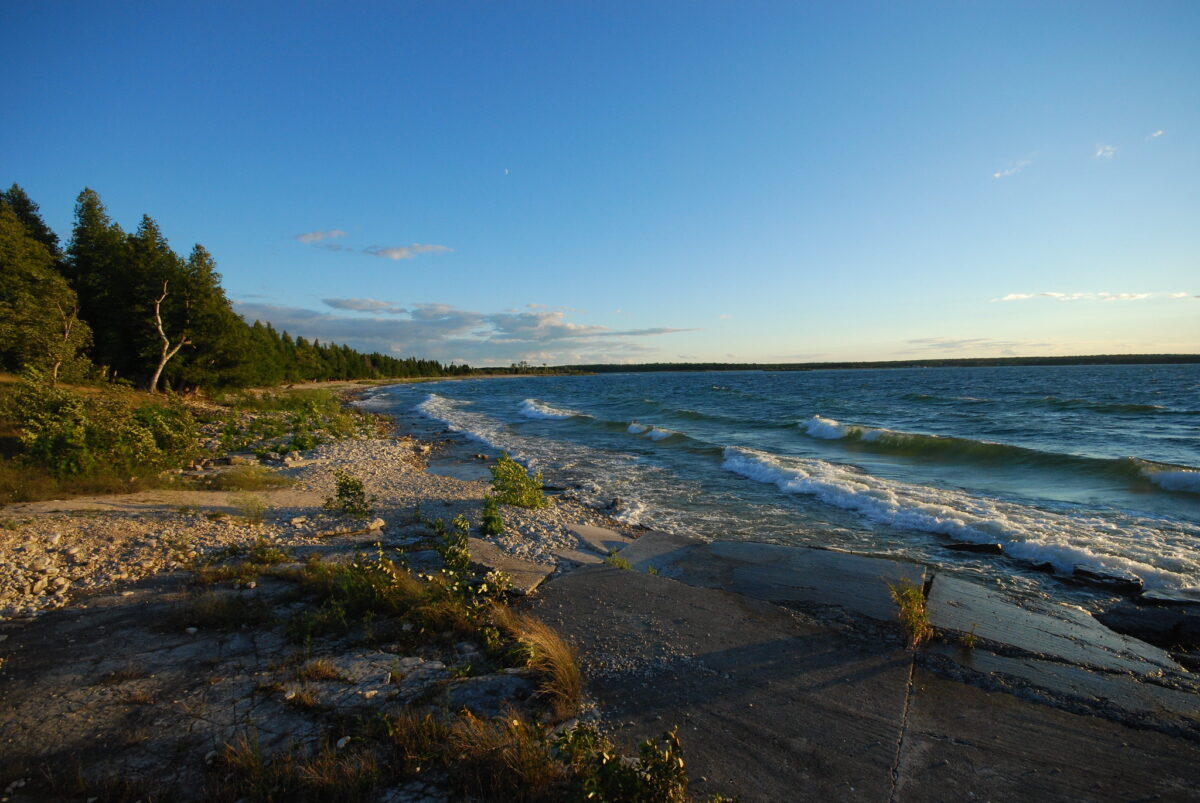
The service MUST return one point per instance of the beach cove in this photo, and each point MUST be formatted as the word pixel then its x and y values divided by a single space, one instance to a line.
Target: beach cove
pixel 783 667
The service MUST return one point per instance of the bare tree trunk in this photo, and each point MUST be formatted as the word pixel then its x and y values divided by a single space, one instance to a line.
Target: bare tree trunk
pixel 56 355
pixel 168 351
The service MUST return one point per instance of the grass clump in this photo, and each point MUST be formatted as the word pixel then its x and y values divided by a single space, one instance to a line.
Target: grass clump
pixel 512 484
pixel 350 774
pixel 252 508
pixel 220 611
pixel 350 497
pixel 548 654
pixel 248 478
pixel 914 617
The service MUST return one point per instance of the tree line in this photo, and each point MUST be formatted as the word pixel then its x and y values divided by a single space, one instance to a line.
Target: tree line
pixel 124 306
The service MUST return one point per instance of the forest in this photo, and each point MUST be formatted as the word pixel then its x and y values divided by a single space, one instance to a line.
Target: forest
pixel 122 306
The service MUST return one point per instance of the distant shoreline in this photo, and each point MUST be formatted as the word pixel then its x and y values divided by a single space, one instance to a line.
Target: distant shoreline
pixel 962 362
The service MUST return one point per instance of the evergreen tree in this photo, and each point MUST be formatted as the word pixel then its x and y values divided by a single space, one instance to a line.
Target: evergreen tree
pixel 30 215
pixel 97 257
pixel 39 312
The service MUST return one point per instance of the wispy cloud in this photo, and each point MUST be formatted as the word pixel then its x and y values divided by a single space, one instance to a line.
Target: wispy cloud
pixel 1155 134
pixel 1006 348
pixel 1100 296
pixel 317 236
pixel 403 252
pixel 1012 169
pixel 318 239
pixel 724 316
pixel 1105 152
pixel 364 305
pixel 447 333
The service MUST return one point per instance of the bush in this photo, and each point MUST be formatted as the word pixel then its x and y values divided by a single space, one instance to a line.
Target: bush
pixel 74 436
pixel 350 497
pixel 513 485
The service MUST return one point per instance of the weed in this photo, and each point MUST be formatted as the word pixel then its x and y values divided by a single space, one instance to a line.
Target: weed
pixel 350 497
pixel 493 522
pixel 128 672
pixel 138 697
pixel 614 559
pixel 913 614
pixel 513 485
pixel 304 699
pixel 652 570
pixel 969 639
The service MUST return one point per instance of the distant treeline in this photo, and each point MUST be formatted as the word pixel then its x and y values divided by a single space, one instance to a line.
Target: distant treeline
pixel 123 305
pixel 970 362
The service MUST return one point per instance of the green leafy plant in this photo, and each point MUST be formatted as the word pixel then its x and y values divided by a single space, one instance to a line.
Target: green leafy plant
pixel 513 485
pixel 492 522
pixel 350 497
pixel 616 560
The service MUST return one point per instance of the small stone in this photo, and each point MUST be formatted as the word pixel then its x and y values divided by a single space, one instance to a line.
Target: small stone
pixel 342 742
pixel 299 520
pixel 39 586
pixel 191 631
pixel 376 524
pixel 126 593
pixel 251 584
pixel 370 694
pixel 41 565
pixel 54 538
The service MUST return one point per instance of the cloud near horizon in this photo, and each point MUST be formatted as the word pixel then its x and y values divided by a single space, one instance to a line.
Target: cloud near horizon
pixel 447 333
pixel 318 239
pixel 317 236
pixel 404 252
pixel 1101 296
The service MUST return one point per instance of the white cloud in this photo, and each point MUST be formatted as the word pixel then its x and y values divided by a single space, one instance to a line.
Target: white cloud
pixel 1104 152
pixel 317 236
pixel 444 332
pixel 1016 297
pixel 724 316
pixel 1155 134
pixel 404 252
pixel 950 344
pixel 1012 169
pixel 1178 295
pixel 364 305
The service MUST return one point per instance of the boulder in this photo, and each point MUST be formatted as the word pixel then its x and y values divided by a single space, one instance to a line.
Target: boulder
pixel 1165 625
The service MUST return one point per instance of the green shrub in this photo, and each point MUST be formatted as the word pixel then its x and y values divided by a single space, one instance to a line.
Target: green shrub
pixel 513 485
pixel 493 522
pixel 350 497
pixel 104 433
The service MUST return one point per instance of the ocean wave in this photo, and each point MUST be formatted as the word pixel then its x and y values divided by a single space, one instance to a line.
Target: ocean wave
pixel 1165 476
pixel 532 408
pixel 1027 533
pixel 1185 480
pixel 1058 403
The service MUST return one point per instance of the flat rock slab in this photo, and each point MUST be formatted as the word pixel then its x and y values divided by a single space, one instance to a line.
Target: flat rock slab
pixel 1054 631
pixel 599 539
pixel 1114 695
pixel 768 706
pixel 525 576
pixel 964 743
pixel 578 557
pixel 776 573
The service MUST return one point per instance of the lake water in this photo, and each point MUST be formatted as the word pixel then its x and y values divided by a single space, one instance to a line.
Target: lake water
pixel 1066 465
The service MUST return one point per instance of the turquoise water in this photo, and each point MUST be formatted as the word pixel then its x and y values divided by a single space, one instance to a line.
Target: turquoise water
pixel 1075 465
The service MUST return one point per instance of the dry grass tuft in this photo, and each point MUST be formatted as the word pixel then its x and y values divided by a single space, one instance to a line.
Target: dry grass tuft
pixel 351 774
pixel 320 669
pixel 549 655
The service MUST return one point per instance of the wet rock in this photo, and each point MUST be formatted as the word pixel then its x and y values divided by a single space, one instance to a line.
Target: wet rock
pixel 1171 596
pixel 983 549
pixel 1114 580
pixel 1165 625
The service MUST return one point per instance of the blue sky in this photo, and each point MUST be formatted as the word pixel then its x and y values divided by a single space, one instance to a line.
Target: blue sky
pixel 641 181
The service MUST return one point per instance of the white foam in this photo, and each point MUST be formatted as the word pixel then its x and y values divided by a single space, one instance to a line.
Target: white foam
pixel 826 428
pixel 1160 555
pixel 637 429
pixel 657 434
pixel 532 408
pixel 1181 480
